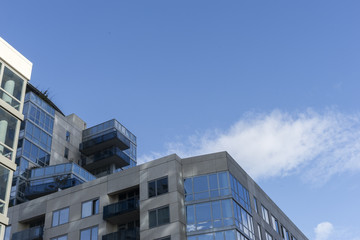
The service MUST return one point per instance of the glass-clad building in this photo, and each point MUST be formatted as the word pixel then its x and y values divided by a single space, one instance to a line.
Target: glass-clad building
pixel 15 71
pixel 34 146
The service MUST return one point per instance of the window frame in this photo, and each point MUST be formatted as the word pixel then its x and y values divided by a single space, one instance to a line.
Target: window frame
pixel 94 209
pixel 67 136
pixel 275 224
pixel 156 210
pixel 58 218
pixel 66 153
pixel 265 217
pixel 156 192
pixel 91 230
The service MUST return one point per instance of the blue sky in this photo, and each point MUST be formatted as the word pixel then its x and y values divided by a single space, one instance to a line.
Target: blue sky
pixel 275 83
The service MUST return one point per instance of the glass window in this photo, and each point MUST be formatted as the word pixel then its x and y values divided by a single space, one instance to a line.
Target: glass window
pixel 207 186
pixel 268 236
pixel 285 233
pixel 159 217
pixel 8 125
pixel 89 233
pixel 275 224
pixel 63 237
pixel 67 137
pixel 60 217
pixel 7 233
pixel 90 208
pixel 265 214
pixel 158 187
pixel 11 88
pixel 66 153
pixel 4 178
pixel 255 205
pixel 259 231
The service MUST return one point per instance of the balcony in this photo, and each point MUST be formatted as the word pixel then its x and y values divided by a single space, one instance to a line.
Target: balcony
pixel 106 157
pixel 32 192
pixel 34 233
pixel 129 234
pixel 122 212
pixel 114 138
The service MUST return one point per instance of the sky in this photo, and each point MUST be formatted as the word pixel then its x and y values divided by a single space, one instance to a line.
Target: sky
pixel 274 83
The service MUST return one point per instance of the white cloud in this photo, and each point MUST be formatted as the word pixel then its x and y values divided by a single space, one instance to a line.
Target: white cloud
pixel 323 231
pixel 317 145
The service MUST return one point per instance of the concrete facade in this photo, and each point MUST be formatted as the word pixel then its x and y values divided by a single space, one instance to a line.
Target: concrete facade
pixel 109 188
pixel 63 124
pixel 15 72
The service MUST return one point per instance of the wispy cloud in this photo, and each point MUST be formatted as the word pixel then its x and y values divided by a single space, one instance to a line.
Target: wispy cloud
pixel 318 145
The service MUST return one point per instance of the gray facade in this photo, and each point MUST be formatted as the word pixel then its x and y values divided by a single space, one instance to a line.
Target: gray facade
pixel 154 201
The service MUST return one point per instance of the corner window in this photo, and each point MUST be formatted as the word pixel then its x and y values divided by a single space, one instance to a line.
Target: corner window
pixel 89 233
pixel 60 217
pixel 11 88
pixel 159 217
pixel 158 187
pixel 67 137
pixel 265 214
pixel 66 153
pixel 90 208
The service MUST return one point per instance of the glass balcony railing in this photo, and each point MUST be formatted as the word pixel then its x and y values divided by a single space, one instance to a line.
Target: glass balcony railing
pixel 110 139
pixel 34 233
pixel 106 126
pixel 128 234
pixel 32 192
pixel 111 155
pixel 61 169
pixel 121 207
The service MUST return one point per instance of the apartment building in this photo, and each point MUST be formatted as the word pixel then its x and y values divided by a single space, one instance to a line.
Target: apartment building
pixel 15 72
pixel 196 198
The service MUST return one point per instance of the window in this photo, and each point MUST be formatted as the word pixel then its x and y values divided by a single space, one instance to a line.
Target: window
pixel 4 179
pixel 158 187
pixel 7 233
pixel 259 230
pixel 255 205
pixel 89 233
pixel 63 237
pixel 275 224
pixel 66 153
pixel 207 215
pixel 90 208
pixel 285 233
pixel 67 138
pixel 60 217
pixel 268 236
pixel 159 217
pixel 265 214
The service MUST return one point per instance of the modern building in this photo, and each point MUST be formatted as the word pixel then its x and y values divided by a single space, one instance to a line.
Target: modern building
pixel 57 151
pixel 15 72
pixel 197 198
